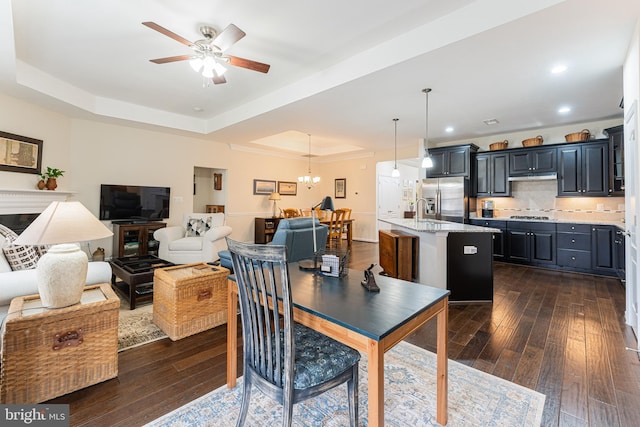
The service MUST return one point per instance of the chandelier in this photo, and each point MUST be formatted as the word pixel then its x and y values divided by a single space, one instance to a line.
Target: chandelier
pixel 307 180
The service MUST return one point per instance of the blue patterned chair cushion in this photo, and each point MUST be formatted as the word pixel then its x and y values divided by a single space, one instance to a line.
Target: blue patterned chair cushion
pixel 319 358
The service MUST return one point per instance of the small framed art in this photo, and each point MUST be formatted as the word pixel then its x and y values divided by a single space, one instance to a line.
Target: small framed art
pixel 286 188
pixel 263 186
pixel 341 188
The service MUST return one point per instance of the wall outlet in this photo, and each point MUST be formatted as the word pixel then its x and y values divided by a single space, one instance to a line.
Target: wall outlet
pixel 600 207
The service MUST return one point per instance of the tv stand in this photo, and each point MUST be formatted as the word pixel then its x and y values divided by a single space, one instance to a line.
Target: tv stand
pixel 135 239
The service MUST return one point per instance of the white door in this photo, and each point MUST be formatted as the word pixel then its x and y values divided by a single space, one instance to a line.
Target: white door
pixel 389 197
pixel 632 185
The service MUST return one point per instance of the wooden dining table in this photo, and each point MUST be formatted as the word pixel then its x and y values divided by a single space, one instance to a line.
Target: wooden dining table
pixel 371 322
pixel 348 223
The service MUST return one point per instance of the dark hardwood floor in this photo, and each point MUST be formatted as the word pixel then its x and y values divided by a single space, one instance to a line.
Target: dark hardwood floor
pixel 562 334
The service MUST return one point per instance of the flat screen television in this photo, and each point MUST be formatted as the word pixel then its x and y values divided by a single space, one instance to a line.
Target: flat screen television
pixel 133 203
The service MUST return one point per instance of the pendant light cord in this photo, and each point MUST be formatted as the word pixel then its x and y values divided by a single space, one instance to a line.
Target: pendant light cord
pixel 395 144
pixel 426 119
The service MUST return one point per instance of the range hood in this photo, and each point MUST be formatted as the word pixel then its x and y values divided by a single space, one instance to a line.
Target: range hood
pixel 540 177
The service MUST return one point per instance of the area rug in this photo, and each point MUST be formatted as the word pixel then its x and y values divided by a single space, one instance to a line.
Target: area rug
pixel 136 327
pixel 475 399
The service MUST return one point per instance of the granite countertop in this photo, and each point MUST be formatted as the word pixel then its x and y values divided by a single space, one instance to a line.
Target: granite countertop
pixel 619 223
pixel 435 226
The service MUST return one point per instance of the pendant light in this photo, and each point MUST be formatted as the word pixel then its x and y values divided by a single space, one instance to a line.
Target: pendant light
pixel 396 172
pixel 307 180
pixel 427 162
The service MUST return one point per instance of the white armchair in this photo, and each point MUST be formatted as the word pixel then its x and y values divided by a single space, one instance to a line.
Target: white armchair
pixel 199 239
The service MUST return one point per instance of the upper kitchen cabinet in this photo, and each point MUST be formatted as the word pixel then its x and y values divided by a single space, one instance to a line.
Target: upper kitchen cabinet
pixel 616 160
pixel 583 169
pixel 492 175
pixel 451 161
pixel 532 161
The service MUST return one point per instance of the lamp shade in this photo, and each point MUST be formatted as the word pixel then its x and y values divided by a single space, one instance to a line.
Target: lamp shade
pixel 63 222
pixel 274 196
pixel 327 204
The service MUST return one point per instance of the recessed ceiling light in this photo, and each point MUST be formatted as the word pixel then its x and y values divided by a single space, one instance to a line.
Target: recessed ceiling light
pixel 198 109
pixel 559 69
pixel 491 122
pixel 449 129
pixel 564 110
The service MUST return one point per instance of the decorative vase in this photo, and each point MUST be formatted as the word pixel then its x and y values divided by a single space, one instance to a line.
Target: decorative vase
pixel 52 184
pixel 41 184
pixel 61 275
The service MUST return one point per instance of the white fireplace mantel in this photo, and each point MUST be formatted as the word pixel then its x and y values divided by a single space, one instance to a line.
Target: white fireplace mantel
pixel 29 201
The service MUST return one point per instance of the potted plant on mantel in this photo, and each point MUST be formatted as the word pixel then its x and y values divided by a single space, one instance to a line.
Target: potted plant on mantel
pixel 51 176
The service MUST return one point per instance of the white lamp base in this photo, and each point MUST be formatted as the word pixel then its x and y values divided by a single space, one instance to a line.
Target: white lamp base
pixel 61 275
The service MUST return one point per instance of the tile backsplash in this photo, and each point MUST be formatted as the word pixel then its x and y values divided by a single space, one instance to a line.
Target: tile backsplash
pixel 538 198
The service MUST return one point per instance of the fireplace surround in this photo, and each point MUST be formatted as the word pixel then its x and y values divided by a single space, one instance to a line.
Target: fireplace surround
pixel 18 208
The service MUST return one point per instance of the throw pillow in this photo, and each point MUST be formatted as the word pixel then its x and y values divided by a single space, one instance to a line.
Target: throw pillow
pixel 19 257
pixel 8 233
pixel 198 227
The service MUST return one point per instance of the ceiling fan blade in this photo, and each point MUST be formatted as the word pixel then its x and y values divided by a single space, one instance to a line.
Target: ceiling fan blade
pixel 170 59
pixel 228 37
pixel 167 33
pixel 249 64
pixel 218 79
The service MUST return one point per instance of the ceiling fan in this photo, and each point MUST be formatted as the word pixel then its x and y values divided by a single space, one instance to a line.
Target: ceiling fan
pixel 209 51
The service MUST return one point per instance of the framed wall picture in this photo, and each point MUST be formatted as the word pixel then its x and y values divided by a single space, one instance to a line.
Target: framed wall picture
pixel 263 186
pixel 341 188
pixel 217 181
pixel 20 153
pixel 286 188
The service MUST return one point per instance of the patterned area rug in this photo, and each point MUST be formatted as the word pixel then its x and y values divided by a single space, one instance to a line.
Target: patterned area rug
pixel 135 327
pixel 475 399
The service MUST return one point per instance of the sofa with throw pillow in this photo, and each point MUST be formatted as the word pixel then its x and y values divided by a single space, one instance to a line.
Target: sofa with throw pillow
pixel 18 274
pixel 199 239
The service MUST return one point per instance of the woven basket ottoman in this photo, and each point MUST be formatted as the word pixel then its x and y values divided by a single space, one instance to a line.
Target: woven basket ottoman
pixel 189 298
pixel 52 352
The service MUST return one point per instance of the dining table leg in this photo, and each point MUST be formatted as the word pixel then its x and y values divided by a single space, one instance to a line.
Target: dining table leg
pixel 442 341
pixel 376 384
pixel 232 335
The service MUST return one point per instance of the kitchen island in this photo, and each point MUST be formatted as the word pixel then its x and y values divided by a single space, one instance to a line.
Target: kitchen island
pixel 453 256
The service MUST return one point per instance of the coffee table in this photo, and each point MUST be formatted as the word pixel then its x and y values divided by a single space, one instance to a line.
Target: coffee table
pixel 136 275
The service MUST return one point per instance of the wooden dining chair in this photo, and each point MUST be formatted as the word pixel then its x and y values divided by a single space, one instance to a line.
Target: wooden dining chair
pixel 286 361
pixel 291 213
pixel 335 228
pixel 347 215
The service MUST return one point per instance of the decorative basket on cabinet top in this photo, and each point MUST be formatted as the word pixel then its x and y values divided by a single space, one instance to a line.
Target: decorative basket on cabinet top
pixel 583 135
pixel 532 142
pixel 499 145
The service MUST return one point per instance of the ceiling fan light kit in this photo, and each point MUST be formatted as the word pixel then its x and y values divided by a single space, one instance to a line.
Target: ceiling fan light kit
pixel 209 52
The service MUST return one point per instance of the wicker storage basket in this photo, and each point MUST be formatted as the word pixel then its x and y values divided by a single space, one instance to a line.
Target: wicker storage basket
pixel 190 298
pixel 499 145
pixel 532 142
pixel 49 353
pixel 583 135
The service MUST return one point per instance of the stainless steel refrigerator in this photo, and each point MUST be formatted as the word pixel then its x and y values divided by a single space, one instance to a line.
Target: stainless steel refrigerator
pixel 447 199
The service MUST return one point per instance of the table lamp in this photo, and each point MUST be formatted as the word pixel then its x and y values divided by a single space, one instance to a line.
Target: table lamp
pixel 325 204
pixel 274 196
pixel 61 273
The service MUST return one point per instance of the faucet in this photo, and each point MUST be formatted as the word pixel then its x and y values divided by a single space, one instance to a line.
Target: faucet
pixel 418 214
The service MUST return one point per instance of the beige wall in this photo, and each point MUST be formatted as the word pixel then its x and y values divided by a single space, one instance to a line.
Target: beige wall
pixel 94 153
